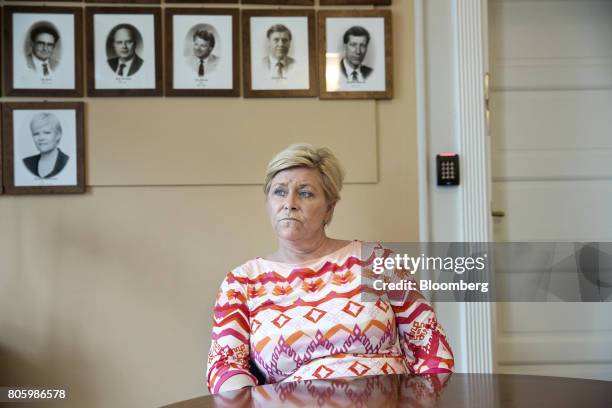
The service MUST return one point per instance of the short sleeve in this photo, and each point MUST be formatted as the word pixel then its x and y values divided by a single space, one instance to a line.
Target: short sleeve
pixel 229 351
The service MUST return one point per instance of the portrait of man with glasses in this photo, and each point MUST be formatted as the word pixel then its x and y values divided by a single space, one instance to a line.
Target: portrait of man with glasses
pixel 43 51
pixel 44 39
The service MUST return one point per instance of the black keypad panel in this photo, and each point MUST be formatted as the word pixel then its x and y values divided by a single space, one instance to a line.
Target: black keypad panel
pixel 448 169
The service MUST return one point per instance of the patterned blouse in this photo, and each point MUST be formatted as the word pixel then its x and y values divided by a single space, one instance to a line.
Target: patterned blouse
pixel 311 321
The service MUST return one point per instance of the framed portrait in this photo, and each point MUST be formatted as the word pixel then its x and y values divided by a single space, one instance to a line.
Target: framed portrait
pixel 201 55
pixel 356 54
pixel 278 53
pixel 123 51
pixel 43 149
pixel 43 51
pixel 354 2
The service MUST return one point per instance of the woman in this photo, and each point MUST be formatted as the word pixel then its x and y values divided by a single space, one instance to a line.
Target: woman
pixel 46 133
pixel 298 314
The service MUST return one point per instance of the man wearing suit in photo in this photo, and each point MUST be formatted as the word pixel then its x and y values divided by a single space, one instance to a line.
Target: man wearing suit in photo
pixel 356 40
pixel 278 62
pixel 44 38
pixel 46 134
pixel 127 62
pixel 202 60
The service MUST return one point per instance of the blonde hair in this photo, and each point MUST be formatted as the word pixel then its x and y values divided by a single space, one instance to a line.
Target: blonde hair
pixel 306 155
pixel 44 119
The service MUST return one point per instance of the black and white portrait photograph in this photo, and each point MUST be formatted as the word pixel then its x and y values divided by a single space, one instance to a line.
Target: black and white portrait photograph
pixel 44 52
pixel 125 51
pixel 279 52
pixel 43 147
pixel 124 43
pixel 355 51
pixel 202 51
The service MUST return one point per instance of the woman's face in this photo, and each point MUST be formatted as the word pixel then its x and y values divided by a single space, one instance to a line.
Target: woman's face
pixel 297 205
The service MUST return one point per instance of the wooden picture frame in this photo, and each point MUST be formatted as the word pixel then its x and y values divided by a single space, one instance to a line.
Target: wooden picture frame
pixel 355 2
pixel 124 51
pixel 281 2
pixel 33 130
pixel 52 66
pixel 217 73
pixel 286 71
pixel 362 66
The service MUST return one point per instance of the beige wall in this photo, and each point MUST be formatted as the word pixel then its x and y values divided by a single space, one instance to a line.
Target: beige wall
pixel 110 293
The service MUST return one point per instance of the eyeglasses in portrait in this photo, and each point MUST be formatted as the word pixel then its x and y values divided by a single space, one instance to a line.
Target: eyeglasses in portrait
pixel 355 50
pixel 123 52
pixel 43 147
pixel 278 53
pixel 202 52
pixel 43 54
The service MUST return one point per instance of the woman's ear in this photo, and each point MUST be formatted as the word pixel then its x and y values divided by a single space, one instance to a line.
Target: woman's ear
pixel 330 213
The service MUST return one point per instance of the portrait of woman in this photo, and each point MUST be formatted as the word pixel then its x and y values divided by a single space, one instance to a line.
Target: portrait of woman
pixel 298 313
pixel 43 149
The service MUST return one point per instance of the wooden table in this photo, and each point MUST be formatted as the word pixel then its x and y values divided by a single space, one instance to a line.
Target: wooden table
pixel 441 390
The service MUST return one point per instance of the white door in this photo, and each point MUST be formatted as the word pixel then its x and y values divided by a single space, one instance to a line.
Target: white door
pixel 551 139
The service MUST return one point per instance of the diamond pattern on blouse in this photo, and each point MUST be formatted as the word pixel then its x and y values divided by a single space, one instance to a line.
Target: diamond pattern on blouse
pixel 352 308
pixel 281 320
pixel 331 333
pixel 323 372
pixel 358 368
pixel 255 325
pixel 314 315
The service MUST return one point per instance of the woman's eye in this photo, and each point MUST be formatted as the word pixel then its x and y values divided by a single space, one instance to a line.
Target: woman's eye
pixel 279 192
pixel 306 194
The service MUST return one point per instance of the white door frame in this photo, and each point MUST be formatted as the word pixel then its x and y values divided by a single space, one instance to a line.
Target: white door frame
pixel 465 47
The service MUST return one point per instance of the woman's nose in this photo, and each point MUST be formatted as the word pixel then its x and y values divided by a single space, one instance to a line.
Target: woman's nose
pixel 290 202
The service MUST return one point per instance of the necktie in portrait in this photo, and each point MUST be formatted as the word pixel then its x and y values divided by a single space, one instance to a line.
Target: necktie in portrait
pixel 201 68
pixel 121 68
pixel 279 69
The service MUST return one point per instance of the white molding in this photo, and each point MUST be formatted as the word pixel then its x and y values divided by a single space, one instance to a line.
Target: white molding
pixel 471 52
pixel 457 214
pixel 421 97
